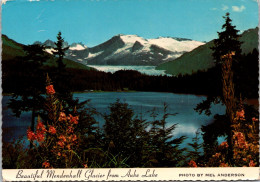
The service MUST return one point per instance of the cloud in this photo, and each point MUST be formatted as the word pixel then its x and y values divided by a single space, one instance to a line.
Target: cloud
pixel 41 30
pixel 4 1
pixel 224 7
pixel 238 9
pixel 213 9
pixel 33 0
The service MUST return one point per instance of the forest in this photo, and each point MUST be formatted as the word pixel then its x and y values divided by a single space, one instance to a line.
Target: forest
pixel 64 133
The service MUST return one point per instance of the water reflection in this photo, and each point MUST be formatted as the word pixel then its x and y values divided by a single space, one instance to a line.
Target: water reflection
pixel 141 102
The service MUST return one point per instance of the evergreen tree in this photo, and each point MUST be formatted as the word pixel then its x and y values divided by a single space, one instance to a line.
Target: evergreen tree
pixel 59 50
pixel 196 146
pixel 61 77
pixel 164 149
pixel 227 41
pixel 28 97
pixel 226 49
pixel 124 134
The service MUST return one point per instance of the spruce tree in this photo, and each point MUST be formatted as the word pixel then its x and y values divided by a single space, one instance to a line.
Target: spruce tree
pixel 28 96
pixel 227 54
pixel 59 50
pixel 227 41
pixel 124 134
pixel 164 148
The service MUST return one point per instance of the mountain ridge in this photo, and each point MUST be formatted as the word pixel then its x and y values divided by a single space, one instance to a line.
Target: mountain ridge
pixel 12 49
pixel 124 49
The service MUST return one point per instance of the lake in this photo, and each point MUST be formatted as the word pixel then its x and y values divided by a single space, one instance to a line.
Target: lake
pixel 189 121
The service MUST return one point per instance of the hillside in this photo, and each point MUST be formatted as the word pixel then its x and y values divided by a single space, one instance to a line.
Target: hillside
pixel 201 59
pixel 12 49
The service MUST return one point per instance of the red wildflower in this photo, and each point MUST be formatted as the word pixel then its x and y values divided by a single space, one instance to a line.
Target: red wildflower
pixel 59 154
pixel 223 164
pixel 192 163
pixel 52 130
pixel 74 137
pixel 40 127
pixel 62 116
pixel 68 146
pixel 254 119
pixel 240 141
pixel 240 115
pixel 30 135
pixel 62 138
pixel 46 164
pixel 224 145
pixel 40 136
pixel 50 90
pixel 216 155
pixel 61 144
pixel 85 165
pixel 70 129
pixel 252 164
pixel 73 119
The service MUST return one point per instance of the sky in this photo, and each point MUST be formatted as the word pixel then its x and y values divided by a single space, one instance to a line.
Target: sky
pixel 95 21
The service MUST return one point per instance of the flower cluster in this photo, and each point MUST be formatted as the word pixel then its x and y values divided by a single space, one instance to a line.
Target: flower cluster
pixel 52 130
pixel 239 140
pixel 67 140
pixel 223 145
pixel 252 164
pixel 223 164
pixel 58 136
pixel 254 119
pixel 245 140
pixel 46 164
pixel 31 135
pixel 73 119
pixel 240 115
pixel 40 133
pixel 192 163
pixel 62 117
pixel 216 155
pixel 70 118
pixel 50 90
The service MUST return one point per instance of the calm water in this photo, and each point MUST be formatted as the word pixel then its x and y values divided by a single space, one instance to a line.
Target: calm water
pixel 141 102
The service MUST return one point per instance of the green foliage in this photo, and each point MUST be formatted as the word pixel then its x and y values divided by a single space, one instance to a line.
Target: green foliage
pixel 196 146
pixel 124 134
pixel 28 97
pixel 227 41
pixel 198 59
pixel 11 49
pixel 163 149
pixel 59 51
pixel 201 59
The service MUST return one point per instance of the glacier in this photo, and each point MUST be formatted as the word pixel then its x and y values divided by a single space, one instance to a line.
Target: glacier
pixel 148 70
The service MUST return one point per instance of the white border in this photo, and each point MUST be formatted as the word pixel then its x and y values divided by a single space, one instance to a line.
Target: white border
pixel 132 174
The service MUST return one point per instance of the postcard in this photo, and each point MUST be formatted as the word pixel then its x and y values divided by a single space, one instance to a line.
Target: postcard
pixel 127 90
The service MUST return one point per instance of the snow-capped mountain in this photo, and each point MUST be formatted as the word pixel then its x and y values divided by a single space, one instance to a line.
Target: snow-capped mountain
pixel 131 50
pixel 135 50
pixel 77 46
